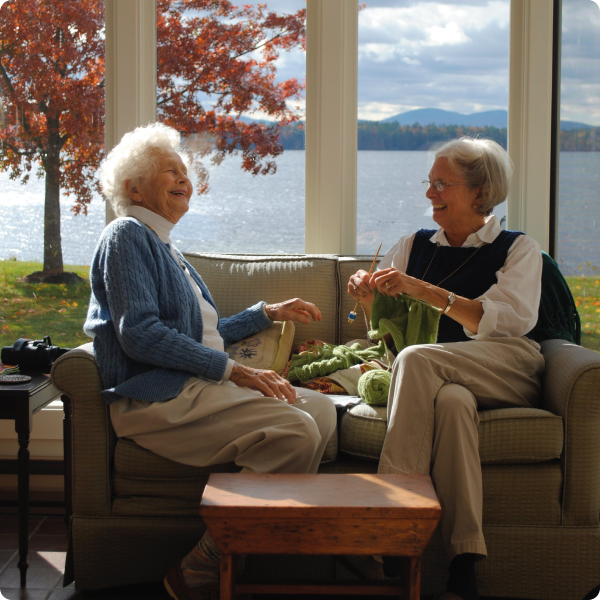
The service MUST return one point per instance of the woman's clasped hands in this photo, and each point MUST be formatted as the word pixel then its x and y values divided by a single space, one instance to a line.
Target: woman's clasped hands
pixel 389 282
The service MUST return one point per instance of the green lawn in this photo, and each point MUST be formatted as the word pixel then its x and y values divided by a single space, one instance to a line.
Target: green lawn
pixel 586 291
pixel 34 310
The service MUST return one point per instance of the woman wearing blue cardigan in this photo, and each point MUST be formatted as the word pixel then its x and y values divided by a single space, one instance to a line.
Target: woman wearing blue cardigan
pixel 159 343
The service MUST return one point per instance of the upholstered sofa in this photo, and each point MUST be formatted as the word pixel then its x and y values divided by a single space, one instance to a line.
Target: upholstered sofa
pixel 135 513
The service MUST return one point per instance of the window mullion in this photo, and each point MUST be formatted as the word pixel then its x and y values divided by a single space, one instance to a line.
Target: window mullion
pixel 331 126
pixel 130 69
pixel 530 117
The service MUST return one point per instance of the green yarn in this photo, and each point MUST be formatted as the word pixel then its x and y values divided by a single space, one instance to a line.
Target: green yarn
pixel 374 387
pixel 324 360
pixel 408 320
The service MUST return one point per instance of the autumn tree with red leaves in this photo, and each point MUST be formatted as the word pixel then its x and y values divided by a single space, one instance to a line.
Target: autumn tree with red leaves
pixel 216 62
pixel 51 87
pixel 210 48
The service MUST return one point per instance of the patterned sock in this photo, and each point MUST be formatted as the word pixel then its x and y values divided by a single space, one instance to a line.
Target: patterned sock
pixel 201 566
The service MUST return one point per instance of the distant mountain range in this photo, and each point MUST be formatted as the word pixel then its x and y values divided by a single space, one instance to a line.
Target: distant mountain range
pixel 488 118
pixel 439 117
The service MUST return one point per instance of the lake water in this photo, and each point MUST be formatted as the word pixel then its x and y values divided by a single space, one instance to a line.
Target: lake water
pixel 242 213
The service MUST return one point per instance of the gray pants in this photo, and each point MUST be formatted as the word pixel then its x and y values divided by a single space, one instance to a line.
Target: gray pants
pixel 435 392
pixel 211 424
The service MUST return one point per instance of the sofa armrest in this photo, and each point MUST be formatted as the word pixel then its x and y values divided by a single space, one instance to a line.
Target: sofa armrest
pixel 571 388
pixel 93 438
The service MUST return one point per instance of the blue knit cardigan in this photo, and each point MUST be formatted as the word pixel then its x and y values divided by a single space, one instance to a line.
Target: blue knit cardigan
pixel 145 319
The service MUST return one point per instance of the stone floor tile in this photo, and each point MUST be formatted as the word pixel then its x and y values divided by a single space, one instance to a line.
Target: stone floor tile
pixel 23 594
pixel 37 578
pixel 5 557
pixel 48 543
pixel 66 594
pixel 9 542
pixel 9 524
pixel 44 559
pixel 142 591
pixel 53 526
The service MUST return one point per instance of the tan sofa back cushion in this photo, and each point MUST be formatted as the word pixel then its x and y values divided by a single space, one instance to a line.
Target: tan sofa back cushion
pixel 237 281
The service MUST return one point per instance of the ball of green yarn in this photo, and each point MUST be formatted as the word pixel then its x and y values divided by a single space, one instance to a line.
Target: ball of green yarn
pixel 374 387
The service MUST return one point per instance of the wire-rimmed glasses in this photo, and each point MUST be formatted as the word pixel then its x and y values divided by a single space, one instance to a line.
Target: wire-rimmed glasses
pixel 438 185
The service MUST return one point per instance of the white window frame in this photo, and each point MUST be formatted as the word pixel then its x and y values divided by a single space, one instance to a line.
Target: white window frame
pixel 331 104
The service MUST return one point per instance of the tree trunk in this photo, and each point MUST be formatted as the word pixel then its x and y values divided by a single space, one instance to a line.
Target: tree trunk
pixel 53 260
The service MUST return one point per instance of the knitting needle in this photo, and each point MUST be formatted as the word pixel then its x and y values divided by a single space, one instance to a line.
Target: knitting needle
pixel 352 315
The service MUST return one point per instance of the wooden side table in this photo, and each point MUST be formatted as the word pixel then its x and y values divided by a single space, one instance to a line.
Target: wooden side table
pixel 350 514
pixel 20 402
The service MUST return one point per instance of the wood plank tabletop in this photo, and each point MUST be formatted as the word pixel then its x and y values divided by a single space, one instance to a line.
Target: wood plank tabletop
pixel 320 496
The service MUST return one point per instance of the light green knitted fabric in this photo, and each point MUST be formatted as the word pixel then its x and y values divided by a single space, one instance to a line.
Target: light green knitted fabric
pixel 374 387
pixel 408 320
pixel 327 359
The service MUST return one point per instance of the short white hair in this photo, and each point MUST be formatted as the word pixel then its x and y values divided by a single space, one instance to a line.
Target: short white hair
pixel 481 163
pixel 135 157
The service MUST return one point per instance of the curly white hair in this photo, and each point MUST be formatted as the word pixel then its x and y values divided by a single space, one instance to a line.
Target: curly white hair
pixel 135 157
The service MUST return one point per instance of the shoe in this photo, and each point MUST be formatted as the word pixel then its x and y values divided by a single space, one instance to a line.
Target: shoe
pixel 178 590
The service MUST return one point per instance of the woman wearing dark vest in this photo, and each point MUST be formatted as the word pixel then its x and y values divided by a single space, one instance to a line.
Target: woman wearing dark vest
pixel 487 284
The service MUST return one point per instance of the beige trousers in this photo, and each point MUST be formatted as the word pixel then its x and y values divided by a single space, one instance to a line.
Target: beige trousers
pixel 210 424
pixel 435 392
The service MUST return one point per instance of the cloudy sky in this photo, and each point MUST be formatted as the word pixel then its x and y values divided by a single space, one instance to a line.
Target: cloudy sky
pixel 453 55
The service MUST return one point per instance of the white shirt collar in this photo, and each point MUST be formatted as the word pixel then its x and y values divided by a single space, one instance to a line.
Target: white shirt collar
pixel 486 235
pixel 159 224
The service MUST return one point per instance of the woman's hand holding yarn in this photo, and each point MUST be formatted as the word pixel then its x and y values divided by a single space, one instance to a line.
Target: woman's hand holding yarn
pixel 359 287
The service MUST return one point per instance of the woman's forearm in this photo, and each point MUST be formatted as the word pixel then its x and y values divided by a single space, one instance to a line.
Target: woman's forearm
pixel 464 311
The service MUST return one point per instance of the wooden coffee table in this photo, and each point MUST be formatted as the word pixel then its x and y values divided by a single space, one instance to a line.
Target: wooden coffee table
pixel 350 514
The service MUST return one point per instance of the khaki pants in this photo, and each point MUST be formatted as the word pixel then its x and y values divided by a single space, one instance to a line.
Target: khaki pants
pixel 435 392
pixel 211 424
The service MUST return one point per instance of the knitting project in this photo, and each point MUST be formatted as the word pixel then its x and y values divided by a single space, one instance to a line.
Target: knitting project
pixel 324 360
pixel 408 320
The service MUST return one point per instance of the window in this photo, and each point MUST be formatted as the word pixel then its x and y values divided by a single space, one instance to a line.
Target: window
pixel 428 71
pixel 578 219
pixel 226 79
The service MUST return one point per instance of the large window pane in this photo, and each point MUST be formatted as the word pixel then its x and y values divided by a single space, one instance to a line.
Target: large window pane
pixel 51 105
pixel 578 249
pixel 232 81
pixel 51 144
pixel 428 71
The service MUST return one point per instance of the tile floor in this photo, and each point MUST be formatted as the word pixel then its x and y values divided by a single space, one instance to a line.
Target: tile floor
pixel 47 552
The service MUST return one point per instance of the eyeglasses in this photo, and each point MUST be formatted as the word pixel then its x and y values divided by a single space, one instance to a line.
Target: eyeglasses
pixel 438 185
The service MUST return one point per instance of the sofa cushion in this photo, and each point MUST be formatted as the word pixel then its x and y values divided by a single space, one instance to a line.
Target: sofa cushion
pixel 269 349
pixel 526 494
pixel 145 483
pixel 508 435
pixel 238 281
pixel 519 435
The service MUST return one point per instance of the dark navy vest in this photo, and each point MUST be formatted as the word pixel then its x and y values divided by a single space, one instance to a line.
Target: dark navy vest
pixel 470 281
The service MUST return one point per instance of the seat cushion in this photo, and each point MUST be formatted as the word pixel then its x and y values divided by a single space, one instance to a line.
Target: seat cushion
pixel 506 436
pixel 145 483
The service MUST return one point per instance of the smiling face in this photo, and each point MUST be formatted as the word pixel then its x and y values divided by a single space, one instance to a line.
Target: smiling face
pixel 167 192
pixel 456 209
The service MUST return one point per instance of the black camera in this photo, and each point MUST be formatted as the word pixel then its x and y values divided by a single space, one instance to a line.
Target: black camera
pixel 32 355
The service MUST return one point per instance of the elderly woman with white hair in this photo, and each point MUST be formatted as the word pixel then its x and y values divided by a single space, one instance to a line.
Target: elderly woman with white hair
pixel 159 343
pixel 486 282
